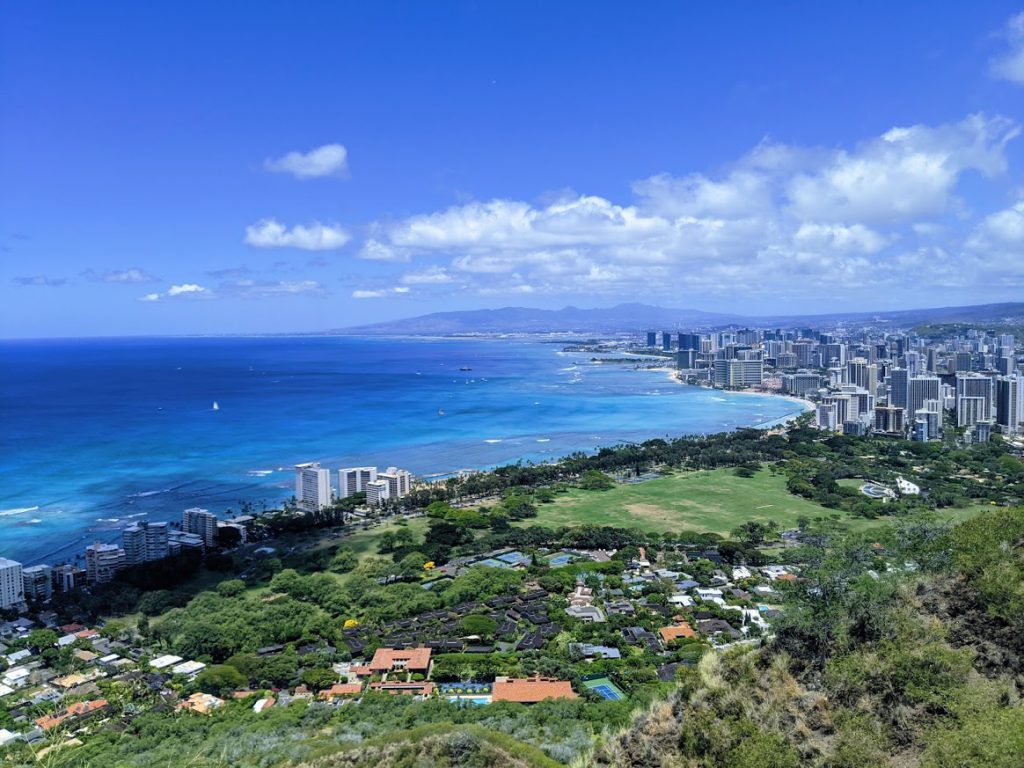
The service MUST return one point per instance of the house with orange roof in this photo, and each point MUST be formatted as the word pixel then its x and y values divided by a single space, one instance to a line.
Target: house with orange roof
pixel 680 631
pixel 203 703
pixel 387 660
pixel 78 710
pixel 530 690
pixel 340 690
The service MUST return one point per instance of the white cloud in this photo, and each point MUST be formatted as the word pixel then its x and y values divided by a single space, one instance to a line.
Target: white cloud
pixel 434 275
pixel 379 293
pixel 263 289
pixel 133 275
pixel 1009 65
pixel 375 250
pixel 269 233
pixel 905 173
pixel 777 222
pixel 328 160
pixel 184 291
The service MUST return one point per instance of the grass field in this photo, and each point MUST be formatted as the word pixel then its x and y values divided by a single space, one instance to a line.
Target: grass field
pixel 714 501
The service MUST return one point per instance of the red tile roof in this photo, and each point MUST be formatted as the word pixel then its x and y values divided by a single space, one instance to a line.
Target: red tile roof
pixel 683 629
pixel 386 659
pixel 531 690
pixel 341 689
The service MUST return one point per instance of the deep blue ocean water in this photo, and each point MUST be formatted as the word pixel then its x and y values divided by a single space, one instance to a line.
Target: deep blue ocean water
pixel 96 433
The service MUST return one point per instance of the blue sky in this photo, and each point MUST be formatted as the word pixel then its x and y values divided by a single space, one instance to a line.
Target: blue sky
pixel 250 167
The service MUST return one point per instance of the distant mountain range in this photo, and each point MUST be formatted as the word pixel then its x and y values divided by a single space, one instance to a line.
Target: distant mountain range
pixel 638 317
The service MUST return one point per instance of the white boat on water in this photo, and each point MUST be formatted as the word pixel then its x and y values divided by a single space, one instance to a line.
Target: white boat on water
pixel 216 405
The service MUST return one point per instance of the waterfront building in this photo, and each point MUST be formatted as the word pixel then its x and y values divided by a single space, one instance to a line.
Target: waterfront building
pixel 689 341
pixel 312 486
pixel 182 541
pixel 103 561
pixel 666 341
pixel 652 339
pixel 12 590
pixel 145 541
pixel 67 578
pixel 399 482
pixel 37 582
pixel 801 384
pixel 201 523
pixel 353 480
pixel 686 359
pixel 737 373
pixel 377 493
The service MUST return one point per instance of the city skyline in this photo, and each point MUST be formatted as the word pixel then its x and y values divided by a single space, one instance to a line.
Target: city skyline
pixel 210 173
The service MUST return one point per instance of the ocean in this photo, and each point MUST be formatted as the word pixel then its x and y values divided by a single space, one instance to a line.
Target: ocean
pixel 97 433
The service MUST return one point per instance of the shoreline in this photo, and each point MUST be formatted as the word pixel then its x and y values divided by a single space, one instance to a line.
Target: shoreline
pixel 272 487
pixel 805 405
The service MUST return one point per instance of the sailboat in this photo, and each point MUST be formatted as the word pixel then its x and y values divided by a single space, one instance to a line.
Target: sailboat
pixel 216 405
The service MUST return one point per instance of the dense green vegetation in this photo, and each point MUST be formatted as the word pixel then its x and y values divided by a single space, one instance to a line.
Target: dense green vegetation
pixel 871 665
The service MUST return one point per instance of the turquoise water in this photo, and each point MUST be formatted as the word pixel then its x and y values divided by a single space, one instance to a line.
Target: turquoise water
pixel 96 433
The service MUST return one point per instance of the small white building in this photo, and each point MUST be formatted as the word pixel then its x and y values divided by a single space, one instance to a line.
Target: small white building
pixel 165 661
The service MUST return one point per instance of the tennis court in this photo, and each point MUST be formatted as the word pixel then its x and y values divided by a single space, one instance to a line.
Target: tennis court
pixel 605 688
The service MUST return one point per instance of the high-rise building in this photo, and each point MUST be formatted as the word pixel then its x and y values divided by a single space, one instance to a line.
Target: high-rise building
pixel 652 339
pixel 1010 404
pixel 962 362
pixel 12 589
pixel 145 541
pixel 103 561
pixel 919 389
pixel 737 373
pixel 377 492
pixel 801 384
pixel 201 523
pixel 827 417
pixel 889 419
pixel 353 480
pixel 971 411
pixel 686 359
pixel 67 578
pixel 689 341
pixel 898 382
pixel 666 341
pixel 37 581
pixel 974 386
pixel 399 482
pixel 312 486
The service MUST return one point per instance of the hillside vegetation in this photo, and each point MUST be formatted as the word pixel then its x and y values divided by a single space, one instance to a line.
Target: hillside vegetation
pixel 917 664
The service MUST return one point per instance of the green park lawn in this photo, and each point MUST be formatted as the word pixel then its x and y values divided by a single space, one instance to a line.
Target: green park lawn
pixel 712 501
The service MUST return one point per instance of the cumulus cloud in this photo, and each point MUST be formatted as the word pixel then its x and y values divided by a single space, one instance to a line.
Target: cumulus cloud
pixel 131 276
pixel 328 160
pixel 269 233
pixel 41 281
pixel 183 291
pixel 1009 64
pixel 776 222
